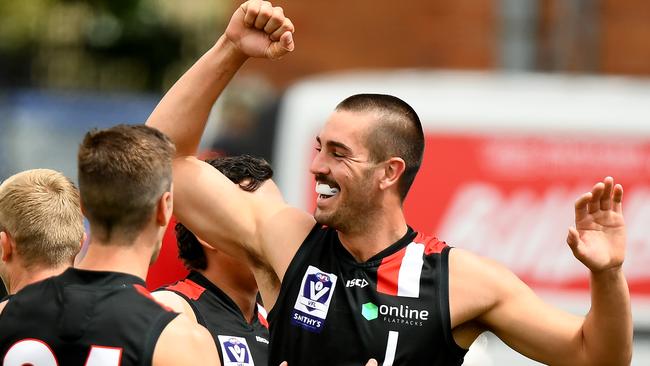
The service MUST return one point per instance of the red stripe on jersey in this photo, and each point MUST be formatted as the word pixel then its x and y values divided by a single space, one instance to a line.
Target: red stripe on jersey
pixel 144 292
pixel 263 320
pixel 431 244
pixel 261 316
pixel 388 273
pixel 188 288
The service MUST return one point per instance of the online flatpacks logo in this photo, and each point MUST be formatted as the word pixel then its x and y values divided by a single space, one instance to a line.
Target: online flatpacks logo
pixel 313 301
pixel 396 314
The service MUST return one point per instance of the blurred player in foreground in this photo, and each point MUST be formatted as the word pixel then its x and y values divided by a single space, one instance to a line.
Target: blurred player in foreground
pixel 100 313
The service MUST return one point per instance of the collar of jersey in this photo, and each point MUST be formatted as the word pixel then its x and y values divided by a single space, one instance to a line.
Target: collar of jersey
pixel 105 278
pixel 201 280
pixel 376 259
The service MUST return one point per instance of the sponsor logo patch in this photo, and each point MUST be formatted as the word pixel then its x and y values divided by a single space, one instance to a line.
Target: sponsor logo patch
pixel 313 302
pixel 235 351
pixel 395 314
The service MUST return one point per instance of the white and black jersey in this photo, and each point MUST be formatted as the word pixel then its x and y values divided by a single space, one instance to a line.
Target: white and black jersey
pixel 332 310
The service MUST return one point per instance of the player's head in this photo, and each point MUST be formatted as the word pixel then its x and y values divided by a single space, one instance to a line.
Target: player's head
pixel 125 176
pixel 372 144
pixel 246 171
pixel 41 226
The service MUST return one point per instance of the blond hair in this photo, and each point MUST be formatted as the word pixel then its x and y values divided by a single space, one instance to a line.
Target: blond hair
pixel 40 210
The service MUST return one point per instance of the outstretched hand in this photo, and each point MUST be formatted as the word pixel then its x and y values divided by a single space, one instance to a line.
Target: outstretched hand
pixel 258 29
pixel 598 240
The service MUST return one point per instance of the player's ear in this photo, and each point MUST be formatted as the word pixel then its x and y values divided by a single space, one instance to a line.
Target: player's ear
pixel 5 246
pixel 393 170
pixel 164 208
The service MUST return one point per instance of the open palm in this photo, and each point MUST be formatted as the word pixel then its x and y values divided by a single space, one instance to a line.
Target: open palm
pixel 599 238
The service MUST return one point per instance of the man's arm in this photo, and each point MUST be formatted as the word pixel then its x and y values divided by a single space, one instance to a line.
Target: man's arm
pixel 256 29
pixel 209 204
pixel 502 303
pixel 258 226
pixel 183 343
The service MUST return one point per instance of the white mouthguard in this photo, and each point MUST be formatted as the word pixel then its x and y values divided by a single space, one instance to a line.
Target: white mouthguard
pixel 326 190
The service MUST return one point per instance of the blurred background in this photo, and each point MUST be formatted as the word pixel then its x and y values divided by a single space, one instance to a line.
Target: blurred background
pixel 525 102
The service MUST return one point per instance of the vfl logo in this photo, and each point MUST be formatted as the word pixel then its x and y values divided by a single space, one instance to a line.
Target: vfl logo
pixel 360 282
pixel 235 351
pixel 313 300
pixel 319 285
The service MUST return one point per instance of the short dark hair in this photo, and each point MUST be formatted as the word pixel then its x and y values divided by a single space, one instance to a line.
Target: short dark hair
pixel 123 172
pixel 246 171
pixel 398 132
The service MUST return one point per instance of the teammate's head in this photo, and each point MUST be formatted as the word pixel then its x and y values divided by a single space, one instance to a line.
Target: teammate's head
pixel 246 171
pixel 372 143
pixel 125 175
pixel 41 226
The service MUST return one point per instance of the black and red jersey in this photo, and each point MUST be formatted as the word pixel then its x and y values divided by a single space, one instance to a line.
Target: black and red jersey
pixel 394 308
pixel 240 342
pixel 83 318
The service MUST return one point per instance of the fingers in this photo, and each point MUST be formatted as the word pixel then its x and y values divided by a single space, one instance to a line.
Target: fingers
pixel 251 9
pixel 618 198
pixel 581 206
pixel 286 42
pixel 596 194
pixel 606 198
pixel 284 363
pixel 286 26
pixel 605 195
pixel 281 48
pixel 275 20
pixel 372 362
pixel 264 15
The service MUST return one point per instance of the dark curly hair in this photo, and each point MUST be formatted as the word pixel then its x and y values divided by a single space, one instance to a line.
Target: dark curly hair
pixel 250 171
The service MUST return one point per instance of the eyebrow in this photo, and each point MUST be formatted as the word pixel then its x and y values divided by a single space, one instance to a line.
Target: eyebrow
pixel 340 145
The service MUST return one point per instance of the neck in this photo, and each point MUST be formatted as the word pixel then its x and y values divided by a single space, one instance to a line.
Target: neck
pixel 375 234
pixel 119 256
pixel 245 297
pixel 33 275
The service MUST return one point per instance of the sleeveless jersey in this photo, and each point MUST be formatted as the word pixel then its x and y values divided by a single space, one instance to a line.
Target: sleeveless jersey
pixel 332 310
pixel 82 318
pixel 239 343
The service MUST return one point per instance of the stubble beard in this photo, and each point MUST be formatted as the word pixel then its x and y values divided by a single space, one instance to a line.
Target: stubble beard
pixel 354 212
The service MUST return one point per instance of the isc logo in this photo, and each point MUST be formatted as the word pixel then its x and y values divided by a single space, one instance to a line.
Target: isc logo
pixel 360 282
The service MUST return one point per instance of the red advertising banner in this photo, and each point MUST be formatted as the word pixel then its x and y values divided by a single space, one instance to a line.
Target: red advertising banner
pixel 511 198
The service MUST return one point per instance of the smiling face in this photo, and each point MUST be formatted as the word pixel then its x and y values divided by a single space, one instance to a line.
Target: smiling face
pixel 346 178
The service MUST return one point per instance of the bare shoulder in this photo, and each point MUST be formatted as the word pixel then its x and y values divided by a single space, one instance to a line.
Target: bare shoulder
pixel 175 302
pixel 184 342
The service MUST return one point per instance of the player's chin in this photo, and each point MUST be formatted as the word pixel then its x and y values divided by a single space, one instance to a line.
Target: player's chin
pixel 323 217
